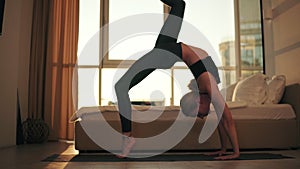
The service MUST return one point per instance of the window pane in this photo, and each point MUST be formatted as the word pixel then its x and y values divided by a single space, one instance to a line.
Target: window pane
pixel 246 73
pixel 137 45
pixel 88 87
pixel 215 20
pixel 89 24
pixel 251 36
pixel 155 88
pixel 107 84
pixel 230 77
pixel 227 51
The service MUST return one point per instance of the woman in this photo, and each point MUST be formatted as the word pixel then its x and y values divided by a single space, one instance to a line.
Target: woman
pixel 203 69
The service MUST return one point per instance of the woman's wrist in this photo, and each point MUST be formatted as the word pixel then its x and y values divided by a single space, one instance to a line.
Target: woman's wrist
pixel 224 149
pixel 236 152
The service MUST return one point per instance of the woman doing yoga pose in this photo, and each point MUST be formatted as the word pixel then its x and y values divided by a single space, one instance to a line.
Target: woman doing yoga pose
pixel 192 104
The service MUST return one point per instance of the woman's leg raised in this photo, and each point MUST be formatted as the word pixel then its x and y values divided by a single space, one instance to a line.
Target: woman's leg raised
pixel 171 28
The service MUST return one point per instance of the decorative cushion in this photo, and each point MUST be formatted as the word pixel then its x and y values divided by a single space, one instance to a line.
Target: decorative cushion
pixel 275 90
pixel 252 89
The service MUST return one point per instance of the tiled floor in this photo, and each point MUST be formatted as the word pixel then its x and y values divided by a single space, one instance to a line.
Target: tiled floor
pixel 30 156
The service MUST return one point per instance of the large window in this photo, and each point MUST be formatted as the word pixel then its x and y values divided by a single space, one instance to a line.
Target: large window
pixel 244 56
pixel 231 27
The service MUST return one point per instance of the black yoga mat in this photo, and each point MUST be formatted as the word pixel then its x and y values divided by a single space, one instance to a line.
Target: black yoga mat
pixel 158 158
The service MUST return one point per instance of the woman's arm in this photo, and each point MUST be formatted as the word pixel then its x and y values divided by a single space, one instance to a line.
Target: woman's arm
pixel 223 137
pixel 229 129
pixel 223 141
pixel 226 125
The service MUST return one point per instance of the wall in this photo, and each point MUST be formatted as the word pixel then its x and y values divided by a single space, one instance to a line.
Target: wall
pixel 14 56
pixel 282 37
pixel 23 66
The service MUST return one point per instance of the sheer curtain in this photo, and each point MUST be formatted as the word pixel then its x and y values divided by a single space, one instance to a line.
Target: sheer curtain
pixel 52 76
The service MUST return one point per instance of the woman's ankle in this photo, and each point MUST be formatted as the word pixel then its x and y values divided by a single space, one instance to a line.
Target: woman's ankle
pixel 127 134
pixel 173 2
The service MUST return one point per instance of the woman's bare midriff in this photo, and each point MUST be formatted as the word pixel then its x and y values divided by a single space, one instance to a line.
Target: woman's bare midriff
pixel 191 54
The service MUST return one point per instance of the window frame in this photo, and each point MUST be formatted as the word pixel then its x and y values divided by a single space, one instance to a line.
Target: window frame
pixel 105 62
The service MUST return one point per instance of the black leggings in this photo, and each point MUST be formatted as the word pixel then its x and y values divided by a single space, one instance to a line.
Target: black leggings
pixel 163 56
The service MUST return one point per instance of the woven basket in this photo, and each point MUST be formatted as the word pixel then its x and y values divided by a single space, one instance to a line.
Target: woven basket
pixel 35 131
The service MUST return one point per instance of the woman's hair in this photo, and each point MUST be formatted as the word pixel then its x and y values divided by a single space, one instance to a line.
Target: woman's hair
pixel 193 85
pixel 189 103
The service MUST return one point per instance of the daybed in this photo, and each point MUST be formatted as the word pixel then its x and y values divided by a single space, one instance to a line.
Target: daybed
pixel 263 126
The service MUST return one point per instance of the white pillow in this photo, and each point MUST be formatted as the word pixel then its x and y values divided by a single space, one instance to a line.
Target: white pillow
pixel 276 88
pixel 252 89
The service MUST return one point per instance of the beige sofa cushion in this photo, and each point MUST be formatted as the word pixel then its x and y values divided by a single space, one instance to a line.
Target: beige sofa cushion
pixel 252 89
pixel 276 88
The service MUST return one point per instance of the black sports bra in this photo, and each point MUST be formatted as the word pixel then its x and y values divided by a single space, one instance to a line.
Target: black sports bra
pixel 204 65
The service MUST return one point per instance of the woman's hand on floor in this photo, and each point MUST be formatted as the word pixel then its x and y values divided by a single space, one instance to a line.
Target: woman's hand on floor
pixel 216 153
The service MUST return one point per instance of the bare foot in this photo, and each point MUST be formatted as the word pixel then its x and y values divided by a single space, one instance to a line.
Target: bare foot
pixel 128 143
pixel 228 157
